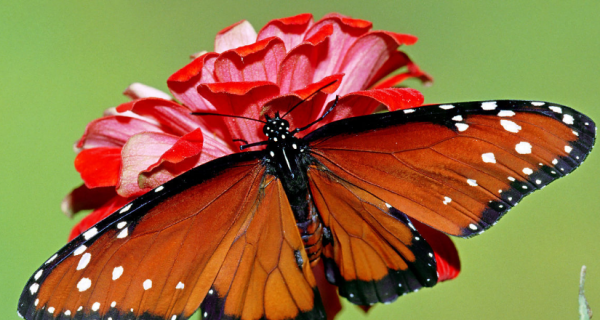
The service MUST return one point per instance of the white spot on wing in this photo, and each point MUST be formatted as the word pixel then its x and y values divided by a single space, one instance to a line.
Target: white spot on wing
pixel 556 109
pixel 51 310
pixel 83 262
pixel 125 208
pixel 510 126
pixel 506 113
pixel 490 105
pixel 117 272
pixel 523 147
pixel 90 233
pixel 113 304
pixel 36 302
pixel 511 178
pixel 447 200
pixel 446 106
pixel 568 119
pixel 462 126
pixel 180 285
pixel 538 103
pixel 121 224
pixel 38 274
pixel 96 306
pixel 457 118
pixel 409 110
pixel 81 249
pixel 159 189
pixel 488 157
pixel 388 205
pixel 84 284
pixel 555 161
pixel 527 171
pixel 147 284
pixel 472 182
pixel 51 258
pixel 68 313
pixel 472 227
pixel 568 149
pixel 34 288
pixel 122 234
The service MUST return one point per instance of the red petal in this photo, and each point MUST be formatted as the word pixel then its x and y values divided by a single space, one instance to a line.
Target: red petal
pixel 237 35
pixel 172 117
pixel 328 292
pixel 298 67
pixel 446 255
pixel 99 167
pixel 113 131
pixel 291 30
pixel 141 151
pixel 244 99
pixel 366 56
pixel 97 215
pixel 184 82
pixel 413 72
pixel 187 146
pixel 84 198
pixel 256 62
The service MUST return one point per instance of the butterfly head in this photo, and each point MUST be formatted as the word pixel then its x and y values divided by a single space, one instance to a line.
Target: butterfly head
pixel 277 129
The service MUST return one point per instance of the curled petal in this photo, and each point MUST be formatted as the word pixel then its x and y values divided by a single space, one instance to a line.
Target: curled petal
pixel 291 30
pixel 446 255
pixel 97 215
pixel 84 198
pixel 367 55
pixel 113 131
pixel 138 90
pixel 187 146
pixel 99 167
pixel 256 62
pixel 170 116
pixel 413 72
pixel 237 35
pixel 184 82
pixel 140 152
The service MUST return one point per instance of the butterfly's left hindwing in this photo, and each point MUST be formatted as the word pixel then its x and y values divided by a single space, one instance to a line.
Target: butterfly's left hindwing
pixel 210 238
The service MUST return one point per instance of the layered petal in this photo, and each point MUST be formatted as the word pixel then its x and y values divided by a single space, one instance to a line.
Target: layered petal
pixel 255 62
pixel 237 35
pixel 113 131
pixel 99 167
pixel 290 30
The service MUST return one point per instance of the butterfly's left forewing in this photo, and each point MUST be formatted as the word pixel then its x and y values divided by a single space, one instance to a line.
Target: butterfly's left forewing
pixel 210 238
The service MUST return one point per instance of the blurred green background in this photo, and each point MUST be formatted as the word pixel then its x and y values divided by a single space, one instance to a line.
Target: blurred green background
pixel 63 63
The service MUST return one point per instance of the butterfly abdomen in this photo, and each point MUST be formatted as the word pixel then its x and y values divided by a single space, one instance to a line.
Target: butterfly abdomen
pixel 311 232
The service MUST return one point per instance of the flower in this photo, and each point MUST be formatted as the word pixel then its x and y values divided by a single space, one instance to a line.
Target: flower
pixel 152 139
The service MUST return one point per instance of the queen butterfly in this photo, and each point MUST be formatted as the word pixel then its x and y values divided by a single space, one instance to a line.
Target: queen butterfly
pixel 236 236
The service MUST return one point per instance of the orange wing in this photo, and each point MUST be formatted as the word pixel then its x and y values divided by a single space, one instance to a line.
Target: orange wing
pixel 209 239
pixel 375 254
pixel 458 167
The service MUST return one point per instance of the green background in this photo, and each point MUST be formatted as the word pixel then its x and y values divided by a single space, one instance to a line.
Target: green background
pixel 63 63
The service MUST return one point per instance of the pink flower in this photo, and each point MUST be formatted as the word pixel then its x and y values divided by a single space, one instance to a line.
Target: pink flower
pixel 152 139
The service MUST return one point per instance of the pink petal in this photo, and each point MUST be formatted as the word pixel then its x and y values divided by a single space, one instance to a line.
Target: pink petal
pixel 140 152
pixel 97 215
pixel 345 33
pixel 243 99
pixel 367 55
pixel 298 67
pixel 256 62
pixel 113 131
pixel 184 82
pixel 365 102
pixel 99 167
pixel 291 30
pixel 237 35
pixel 172 117
pixel 84 198
pixel 138 90
pixel 187 146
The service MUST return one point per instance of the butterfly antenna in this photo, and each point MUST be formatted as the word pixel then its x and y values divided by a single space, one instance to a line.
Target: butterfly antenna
pixel 310 96
pixel 225 115
pixel 250 145
pixel 337 98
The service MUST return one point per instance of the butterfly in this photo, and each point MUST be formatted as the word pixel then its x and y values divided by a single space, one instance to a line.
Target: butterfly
pixel 236 237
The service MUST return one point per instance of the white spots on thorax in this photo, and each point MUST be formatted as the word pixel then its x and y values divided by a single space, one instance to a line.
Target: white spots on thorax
pixel 447 200
pixel 51 258
pixel 83 262
pixel 125 208
pixel 294 146
pixel 117 272
pixel 527 171
pixel 159 189
pixel 568 149
pixel 462 126
pixel 417 238
pixel 84 284
pixel 568 119
pixel 68 313
pixel 272 154
pixel 90 233
pixel 275 139
pixel 81 249
pixel 472 226
pixel 123 233
pixel 489 105
pixel 34 288
pixel 506 113
pixel 446 106
pixel 510 126
pixel 457 118
pixel 537 103
pixel 472 182
pixel 121 224
pixel 283 137
pixel 180 285
pixel 511 178
pixel 555 109
pixel 147 284
pixel 38 274
pixel 113 304
pixel 488 157
pixel 523 147
pixel 409 111
pixel 51 310
pixel 96 306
